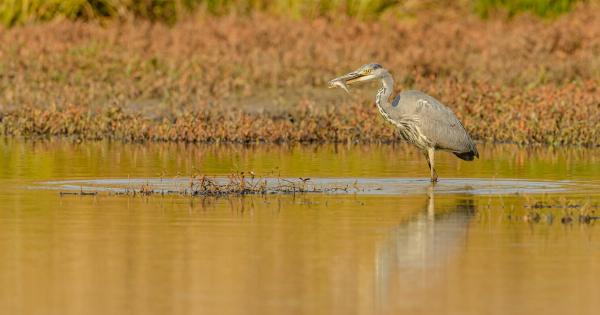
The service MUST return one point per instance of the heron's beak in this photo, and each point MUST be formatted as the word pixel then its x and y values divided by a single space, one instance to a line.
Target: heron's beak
pixel 344 80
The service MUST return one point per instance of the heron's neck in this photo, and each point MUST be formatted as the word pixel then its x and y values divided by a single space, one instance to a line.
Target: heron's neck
pixel 383 95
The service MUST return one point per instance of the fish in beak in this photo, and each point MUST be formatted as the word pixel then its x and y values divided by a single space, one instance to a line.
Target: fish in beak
pixel 344 80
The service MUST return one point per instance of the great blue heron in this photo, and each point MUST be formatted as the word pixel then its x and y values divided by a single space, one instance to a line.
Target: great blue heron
pixel 421 119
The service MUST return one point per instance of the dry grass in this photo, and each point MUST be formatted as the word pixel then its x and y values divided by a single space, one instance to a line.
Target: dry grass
pixel 263 78
pixel 236 184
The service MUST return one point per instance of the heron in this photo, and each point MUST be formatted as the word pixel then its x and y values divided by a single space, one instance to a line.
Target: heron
pixel 420 119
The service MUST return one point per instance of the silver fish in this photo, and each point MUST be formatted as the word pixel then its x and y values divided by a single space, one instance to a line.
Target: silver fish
pixel 338 83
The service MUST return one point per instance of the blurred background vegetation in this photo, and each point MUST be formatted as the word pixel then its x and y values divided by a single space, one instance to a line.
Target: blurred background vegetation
pixel 15 12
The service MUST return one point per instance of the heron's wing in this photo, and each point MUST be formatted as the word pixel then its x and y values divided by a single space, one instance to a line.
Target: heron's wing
pixel 437 122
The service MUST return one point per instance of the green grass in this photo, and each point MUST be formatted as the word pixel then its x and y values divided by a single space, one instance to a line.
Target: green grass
pixel 14 12
pixel 544 8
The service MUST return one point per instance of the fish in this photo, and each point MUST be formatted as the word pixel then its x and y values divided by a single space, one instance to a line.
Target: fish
pixel 339 83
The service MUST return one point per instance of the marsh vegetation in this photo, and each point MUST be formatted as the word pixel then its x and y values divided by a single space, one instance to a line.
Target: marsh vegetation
pixel 230 79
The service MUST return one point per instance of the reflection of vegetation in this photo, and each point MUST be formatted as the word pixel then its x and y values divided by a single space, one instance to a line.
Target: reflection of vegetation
pixel 49 159
pixel 542 209
pixel 569 210
pixel 19 11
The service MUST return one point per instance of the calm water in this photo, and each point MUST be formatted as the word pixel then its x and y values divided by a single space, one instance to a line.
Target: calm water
pixel 465 246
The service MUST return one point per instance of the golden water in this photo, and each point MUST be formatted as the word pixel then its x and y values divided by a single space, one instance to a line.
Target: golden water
pixel 424 252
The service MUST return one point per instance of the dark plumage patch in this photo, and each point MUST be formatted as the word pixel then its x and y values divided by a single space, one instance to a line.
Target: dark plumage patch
pixel 396 101
pixel 467 156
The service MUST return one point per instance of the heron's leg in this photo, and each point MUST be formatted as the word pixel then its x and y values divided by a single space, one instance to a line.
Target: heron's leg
pixel 431 162
pixel 427 158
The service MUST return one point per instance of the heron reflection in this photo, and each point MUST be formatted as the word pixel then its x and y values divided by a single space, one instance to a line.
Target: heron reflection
pixel 410 251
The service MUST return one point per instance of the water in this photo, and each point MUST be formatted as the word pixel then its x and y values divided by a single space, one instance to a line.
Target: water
pixel 469 245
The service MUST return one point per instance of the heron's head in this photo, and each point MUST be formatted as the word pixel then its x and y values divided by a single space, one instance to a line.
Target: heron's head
pixel 368 72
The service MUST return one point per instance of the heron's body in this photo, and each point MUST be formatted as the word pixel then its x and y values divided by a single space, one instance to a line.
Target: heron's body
pixel 421 119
